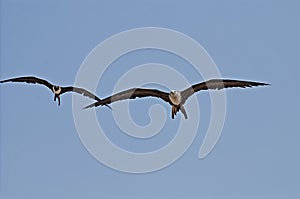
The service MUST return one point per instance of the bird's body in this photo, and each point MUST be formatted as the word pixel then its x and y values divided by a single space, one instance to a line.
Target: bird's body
pixel 57 90
pixel 175 98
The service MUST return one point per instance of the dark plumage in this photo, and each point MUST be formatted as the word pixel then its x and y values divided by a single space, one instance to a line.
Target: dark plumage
pixel 57 90
pixel 176 98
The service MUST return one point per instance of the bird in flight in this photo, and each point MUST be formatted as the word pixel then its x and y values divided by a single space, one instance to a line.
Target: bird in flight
pixel 57 90
pixel 175 98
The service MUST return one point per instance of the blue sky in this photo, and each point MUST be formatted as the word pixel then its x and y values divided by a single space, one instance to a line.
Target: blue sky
pixel 257 155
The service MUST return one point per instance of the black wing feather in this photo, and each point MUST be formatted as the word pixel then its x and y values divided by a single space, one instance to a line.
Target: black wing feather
pixel 30 80
pixel 218 84
pixel 132 94
pixel 79 91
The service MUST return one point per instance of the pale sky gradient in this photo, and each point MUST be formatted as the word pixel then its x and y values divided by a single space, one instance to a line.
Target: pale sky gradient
pixel 257 155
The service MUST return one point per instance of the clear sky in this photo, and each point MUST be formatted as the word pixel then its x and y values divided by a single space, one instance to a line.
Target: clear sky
pixel 257 155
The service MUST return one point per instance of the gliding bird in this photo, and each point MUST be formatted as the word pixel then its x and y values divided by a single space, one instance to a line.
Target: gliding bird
pixel 57 90
pixel 175 98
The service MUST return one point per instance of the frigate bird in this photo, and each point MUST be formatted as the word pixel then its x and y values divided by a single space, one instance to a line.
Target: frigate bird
pixel 175 98
pixel 57 90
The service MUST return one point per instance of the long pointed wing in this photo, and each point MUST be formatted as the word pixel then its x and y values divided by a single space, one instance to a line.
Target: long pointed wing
pixel 79 91
pixel 30 80
pixel 132 94
pixel 218 84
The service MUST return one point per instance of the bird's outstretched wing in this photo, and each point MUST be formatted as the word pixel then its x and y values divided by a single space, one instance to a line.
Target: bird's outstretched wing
pixel 82 91
pixel 132 94
pixel 218 84
pixel 30 80
pixel 79 91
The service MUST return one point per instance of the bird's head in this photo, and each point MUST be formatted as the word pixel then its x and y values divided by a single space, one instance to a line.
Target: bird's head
pixel 175 97
pixel 173 93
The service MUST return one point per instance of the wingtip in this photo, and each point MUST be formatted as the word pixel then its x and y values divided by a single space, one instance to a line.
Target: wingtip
pixel 259 84
pixel 265 84
pixel 94 105
pixel 5 80
pixel 109 107
pixel 88 106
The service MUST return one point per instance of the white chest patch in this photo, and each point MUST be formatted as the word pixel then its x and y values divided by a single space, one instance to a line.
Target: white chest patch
pixel 56 91
pixel 175 97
